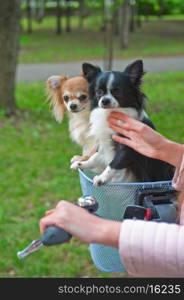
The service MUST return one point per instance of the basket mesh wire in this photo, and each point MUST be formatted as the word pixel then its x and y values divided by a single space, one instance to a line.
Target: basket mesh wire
pixel 112 200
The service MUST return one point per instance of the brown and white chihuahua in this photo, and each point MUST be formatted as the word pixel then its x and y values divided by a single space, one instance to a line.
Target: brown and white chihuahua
pixel 70 95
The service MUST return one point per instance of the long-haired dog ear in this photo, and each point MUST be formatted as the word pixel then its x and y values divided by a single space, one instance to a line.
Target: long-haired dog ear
pixel 54 86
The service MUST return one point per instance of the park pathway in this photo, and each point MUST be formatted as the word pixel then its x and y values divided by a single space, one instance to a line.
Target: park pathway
pixel 41 71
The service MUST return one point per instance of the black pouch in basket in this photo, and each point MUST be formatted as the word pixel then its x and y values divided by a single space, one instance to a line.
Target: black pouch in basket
pixel 154 205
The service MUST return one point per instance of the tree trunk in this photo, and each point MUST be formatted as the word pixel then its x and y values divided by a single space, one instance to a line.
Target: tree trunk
pixel 81 14
pixel 68 15
pixel 138 15
pixel 132 19
pixel 40 10
pixel 58 17
pixel 109 34
pixel 108 40
pixel 145 12
pixel 9 37
pixel 124 23
pixel 115 17
pixel 103 26
pixel 161 10
pixel 29 17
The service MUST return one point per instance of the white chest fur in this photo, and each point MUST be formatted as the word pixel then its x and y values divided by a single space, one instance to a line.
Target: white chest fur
pixel 99 128
pixel 79 127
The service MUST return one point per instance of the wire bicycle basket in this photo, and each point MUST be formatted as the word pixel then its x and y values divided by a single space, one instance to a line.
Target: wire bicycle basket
pixel 113 200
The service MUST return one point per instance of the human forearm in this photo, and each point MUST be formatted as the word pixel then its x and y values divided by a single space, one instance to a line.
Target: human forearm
pixel 107 232
pixel 171 152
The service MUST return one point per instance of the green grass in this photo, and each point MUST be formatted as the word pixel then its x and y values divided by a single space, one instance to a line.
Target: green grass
pixel 34 156
pixel 155 38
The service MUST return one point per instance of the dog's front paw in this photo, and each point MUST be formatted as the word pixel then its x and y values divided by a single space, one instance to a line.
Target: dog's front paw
pixel 99 180
pixel 76 165
pixel 75 158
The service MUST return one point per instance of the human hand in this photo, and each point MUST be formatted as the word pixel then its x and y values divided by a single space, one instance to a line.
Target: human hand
pixel 82 224
pixel 138 135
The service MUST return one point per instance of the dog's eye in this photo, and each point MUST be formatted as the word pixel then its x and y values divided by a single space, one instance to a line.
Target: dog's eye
pixel 66 98
pixel 100 92
pixel 82 97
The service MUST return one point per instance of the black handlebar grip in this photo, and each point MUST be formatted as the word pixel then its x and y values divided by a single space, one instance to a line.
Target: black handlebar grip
pixel 54 235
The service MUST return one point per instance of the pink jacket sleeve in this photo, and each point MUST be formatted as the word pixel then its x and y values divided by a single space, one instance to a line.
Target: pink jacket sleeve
pixel 152 249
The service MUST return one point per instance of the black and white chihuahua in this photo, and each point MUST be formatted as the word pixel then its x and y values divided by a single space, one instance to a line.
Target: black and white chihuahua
pixel 119 91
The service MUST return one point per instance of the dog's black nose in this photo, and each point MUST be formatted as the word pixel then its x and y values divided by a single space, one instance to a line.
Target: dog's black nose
pixel 73 106
pixel 106 101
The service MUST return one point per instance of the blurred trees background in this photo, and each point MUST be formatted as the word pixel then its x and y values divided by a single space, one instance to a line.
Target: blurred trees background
pixel 126 14
pixel 118 18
